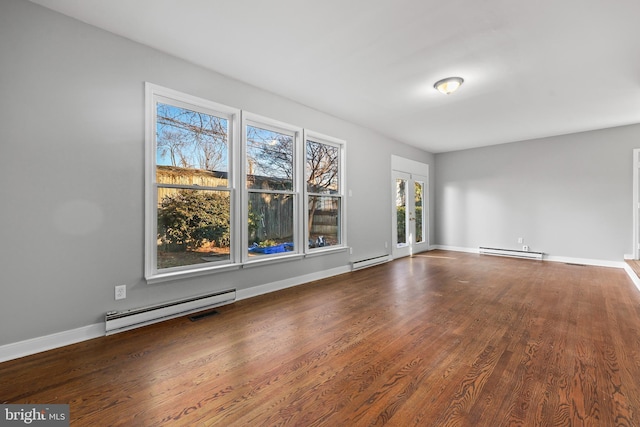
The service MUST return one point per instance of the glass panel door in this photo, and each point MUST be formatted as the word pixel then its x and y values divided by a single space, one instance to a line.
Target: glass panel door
pixel 410 209
pixel 418 197
pixel 401 212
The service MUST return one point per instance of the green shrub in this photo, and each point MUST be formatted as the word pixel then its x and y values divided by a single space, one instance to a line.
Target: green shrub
pixel 189 218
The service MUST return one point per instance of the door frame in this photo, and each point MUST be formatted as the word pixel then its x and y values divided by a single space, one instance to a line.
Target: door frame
pixel 416 171
pixel 636 204
pixel 410 247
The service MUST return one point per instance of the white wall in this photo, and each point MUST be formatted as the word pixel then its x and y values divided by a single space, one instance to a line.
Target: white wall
pixel 72 181
pixel 567 196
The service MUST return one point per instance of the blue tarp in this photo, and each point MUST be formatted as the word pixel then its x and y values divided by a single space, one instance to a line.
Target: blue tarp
pixel 283 247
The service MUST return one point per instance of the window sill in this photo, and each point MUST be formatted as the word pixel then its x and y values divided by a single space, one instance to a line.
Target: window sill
pixel 326 251
pixel 185 274
pixel 272 260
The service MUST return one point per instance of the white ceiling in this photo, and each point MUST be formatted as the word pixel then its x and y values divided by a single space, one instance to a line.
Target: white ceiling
pixel 531 68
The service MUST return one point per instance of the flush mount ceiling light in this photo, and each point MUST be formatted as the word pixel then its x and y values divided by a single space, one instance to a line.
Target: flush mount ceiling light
pixel 448 85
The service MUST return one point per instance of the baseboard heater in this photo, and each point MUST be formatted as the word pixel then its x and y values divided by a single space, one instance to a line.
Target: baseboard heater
pixel 511 253
pixel 120 321
pixel 369 262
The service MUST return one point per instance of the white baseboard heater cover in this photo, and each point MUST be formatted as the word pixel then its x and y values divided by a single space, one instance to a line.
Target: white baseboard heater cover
pixel 120 321
pixel 511 253
pixel 369 262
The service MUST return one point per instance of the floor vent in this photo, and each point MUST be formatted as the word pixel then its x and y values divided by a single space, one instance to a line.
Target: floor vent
pixel 203 315
pixel 120 321
pixel 358 265
pixel 511 253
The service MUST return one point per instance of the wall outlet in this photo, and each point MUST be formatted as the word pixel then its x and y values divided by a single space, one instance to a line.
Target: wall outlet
pixel 520 239
pixel 525 248
pixel 121 292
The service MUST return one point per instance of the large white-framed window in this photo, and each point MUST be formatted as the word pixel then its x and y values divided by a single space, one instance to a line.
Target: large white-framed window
pixel 227 189
pixel 271 202
pixel 324 192
pixel 191 203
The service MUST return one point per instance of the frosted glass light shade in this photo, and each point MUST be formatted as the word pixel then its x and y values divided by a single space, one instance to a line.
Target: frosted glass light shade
pixel 448 85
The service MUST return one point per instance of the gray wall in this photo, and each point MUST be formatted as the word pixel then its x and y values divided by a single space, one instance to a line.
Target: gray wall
pixel 567 196
pixel 72 182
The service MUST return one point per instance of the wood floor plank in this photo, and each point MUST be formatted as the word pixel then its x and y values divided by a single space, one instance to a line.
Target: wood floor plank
pixel 438 339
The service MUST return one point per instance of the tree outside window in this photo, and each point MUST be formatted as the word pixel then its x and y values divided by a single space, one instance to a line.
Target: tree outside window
pixel 194 211
pixel 271 190
pixel 199 218
pixel 324 193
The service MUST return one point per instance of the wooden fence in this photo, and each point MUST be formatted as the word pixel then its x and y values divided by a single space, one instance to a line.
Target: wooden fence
pixel 272 220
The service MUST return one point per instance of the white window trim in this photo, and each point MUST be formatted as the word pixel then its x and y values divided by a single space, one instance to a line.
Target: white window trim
pixel 251 119
pixel 153 94
pixel 237 188
pixel 342 145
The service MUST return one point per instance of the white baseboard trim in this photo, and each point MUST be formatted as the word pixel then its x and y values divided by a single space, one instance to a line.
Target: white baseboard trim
pixel 49 342
pixel 456 249
pixel 567 260
pixel 632 275
pixel 288 283
pixel 61 339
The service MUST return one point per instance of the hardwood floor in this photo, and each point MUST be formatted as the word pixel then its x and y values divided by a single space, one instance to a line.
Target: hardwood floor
pixel 635 265
pixel 440 339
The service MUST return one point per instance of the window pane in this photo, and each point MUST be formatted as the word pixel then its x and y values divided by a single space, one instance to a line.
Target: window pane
pixel 270 223
pixel 419 194
pixel 324 221
pixel 322 168
pixel 183 176
pixel 193 227
pixel 401 211
pixel 190 142
pixel 269 159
